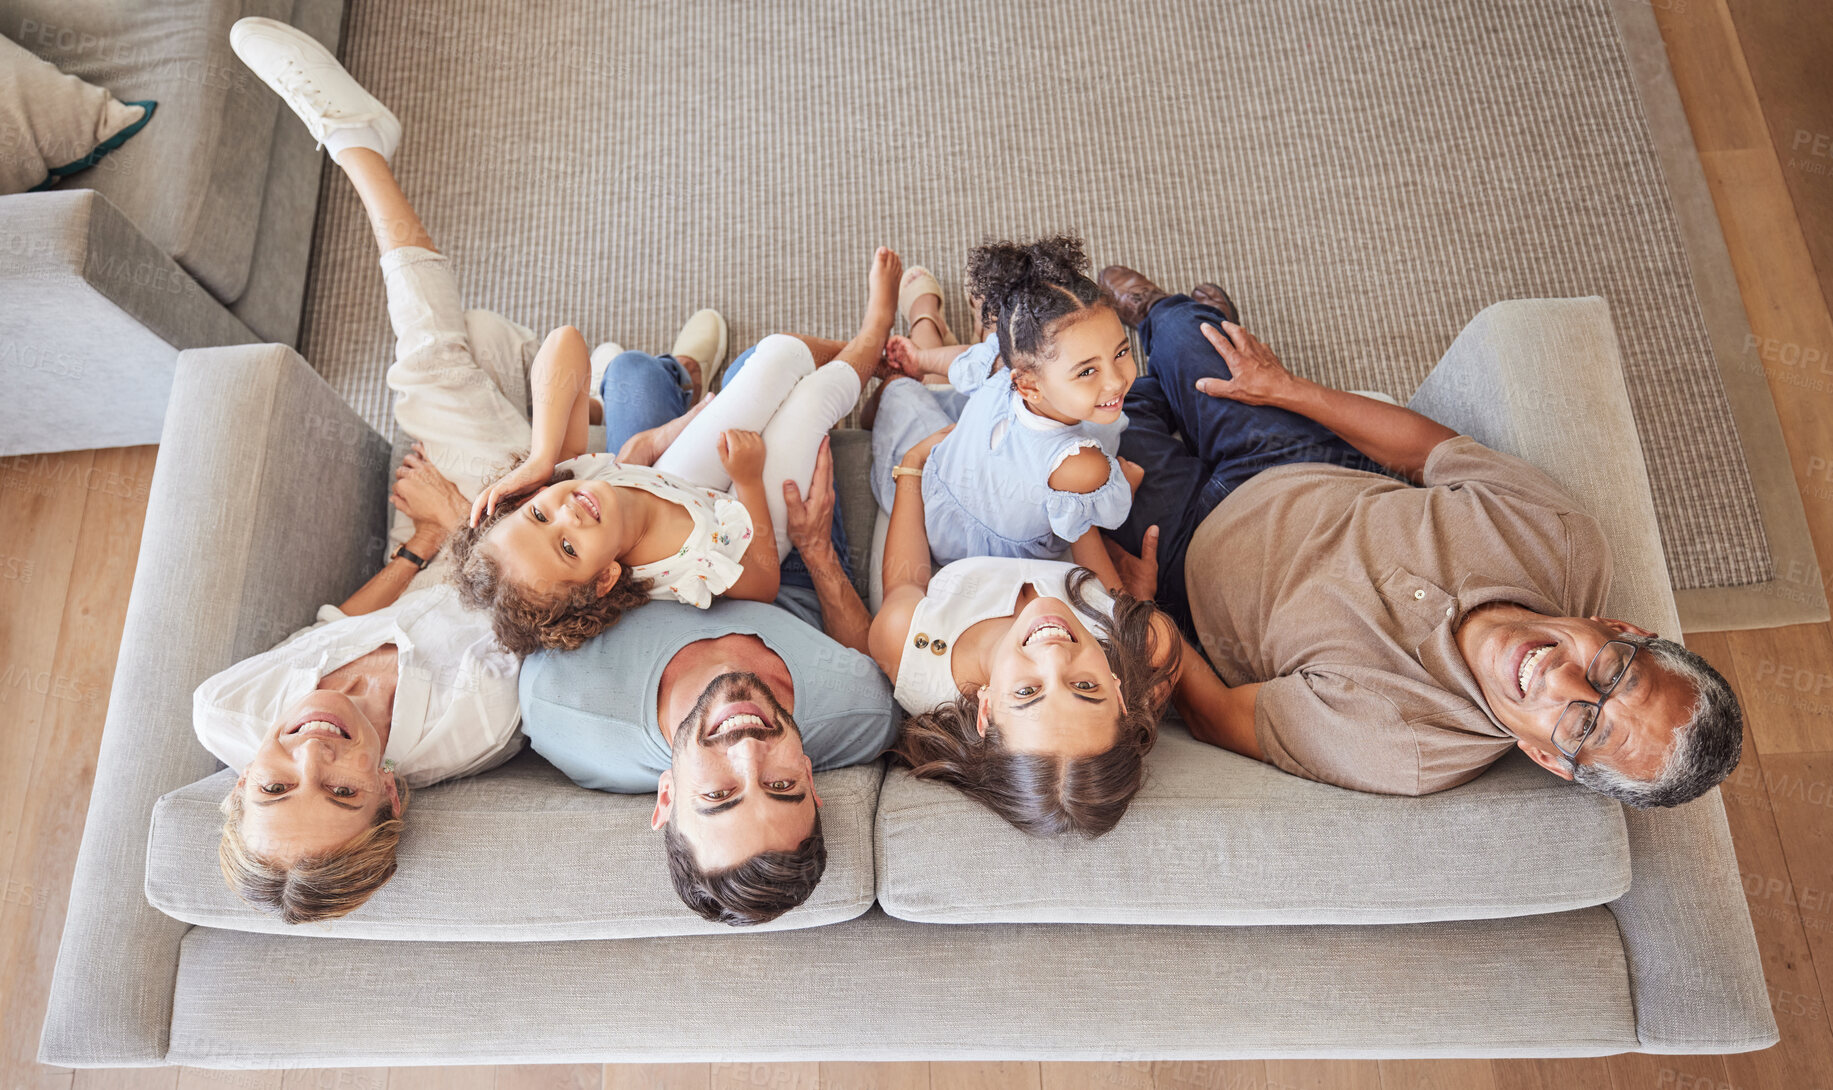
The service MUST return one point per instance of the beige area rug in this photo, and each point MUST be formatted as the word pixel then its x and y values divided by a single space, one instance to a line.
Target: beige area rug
pixel 1364 178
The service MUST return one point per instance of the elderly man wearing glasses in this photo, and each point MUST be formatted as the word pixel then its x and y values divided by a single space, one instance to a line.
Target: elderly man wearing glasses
pixel 1378 635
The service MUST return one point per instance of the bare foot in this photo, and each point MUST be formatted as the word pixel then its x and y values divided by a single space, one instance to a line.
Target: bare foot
pixel 900 357
pixel 694 376
pixel 906 357
pixel 881 288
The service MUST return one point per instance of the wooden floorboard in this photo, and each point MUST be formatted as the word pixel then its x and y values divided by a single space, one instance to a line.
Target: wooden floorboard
pixel 1437 1075
pixel 976 1075
pixel 458 1078
pixel 1751 76
pixel 874 1076
pixel 1788 48
pixel 1577 1074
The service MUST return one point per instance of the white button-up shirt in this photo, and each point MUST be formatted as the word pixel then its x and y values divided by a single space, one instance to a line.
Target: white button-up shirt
pixel 455 709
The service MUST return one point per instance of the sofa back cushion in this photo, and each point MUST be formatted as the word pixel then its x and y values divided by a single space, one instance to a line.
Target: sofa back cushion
pixel 517 854
pixel 1216 838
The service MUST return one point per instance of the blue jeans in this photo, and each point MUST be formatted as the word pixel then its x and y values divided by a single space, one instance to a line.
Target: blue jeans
pixel 1195 448
pixel 641 391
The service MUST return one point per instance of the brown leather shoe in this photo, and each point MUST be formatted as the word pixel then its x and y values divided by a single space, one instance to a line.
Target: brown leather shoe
pixel 1132 293
pixel 1216 297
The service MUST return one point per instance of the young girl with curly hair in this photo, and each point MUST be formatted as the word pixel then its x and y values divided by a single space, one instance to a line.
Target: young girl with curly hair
pixel 1031 468
pixel 565 542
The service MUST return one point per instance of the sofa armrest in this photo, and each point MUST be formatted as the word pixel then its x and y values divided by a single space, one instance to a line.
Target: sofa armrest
pixel 267 500
pixel 90 303
pixel 1694 968
pixel 1542 379
pixel 78 233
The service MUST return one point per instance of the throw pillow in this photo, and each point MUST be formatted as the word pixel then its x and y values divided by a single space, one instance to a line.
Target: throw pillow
pixel 53 125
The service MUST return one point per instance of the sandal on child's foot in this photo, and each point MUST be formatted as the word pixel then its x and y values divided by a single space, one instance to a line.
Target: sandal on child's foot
pixel 918 282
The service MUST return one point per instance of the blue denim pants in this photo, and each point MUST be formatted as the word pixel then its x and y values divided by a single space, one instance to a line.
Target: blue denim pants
pixel 1195 448
pixel 641 391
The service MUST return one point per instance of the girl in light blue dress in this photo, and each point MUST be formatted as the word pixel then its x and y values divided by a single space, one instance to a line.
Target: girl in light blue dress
pixel 1030 468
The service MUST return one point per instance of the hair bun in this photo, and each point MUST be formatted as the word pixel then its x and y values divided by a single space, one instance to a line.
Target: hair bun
pixel 1025 287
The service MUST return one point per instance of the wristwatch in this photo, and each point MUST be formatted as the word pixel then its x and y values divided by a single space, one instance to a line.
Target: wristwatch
pixel 409 555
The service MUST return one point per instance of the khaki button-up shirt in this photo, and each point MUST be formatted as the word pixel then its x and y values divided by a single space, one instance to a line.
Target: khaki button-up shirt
pixel 1342 591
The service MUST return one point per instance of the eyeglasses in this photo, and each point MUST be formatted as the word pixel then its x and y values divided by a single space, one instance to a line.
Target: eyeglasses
pixel 1604 673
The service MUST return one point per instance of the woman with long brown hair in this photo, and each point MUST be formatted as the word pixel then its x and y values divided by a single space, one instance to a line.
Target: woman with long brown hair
pixel 1031 688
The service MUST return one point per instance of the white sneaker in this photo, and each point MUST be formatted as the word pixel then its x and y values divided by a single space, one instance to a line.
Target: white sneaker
pixel 601 359
pixel 333 105
pixel 704 339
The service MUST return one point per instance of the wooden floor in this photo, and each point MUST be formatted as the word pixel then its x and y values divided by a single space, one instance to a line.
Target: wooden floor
pixel 70 530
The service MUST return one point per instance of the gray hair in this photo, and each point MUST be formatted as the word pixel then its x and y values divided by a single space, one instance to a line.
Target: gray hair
pixel 1704 749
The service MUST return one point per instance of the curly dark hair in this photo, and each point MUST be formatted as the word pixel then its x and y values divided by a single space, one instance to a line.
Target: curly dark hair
pixel 756 891
pixel 1047 795
pixel 524 621
pixel 1026 288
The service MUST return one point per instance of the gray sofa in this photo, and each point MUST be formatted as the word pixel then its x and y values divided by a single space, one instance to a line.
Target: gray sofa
pixel 1236 912
pixel 197 232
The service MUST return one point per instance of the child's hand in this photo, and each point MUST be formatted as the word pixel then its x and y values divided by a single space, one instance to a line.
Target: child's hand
pixel 1133 472
pixel 742 454
pixel 424 494
pixel 532 473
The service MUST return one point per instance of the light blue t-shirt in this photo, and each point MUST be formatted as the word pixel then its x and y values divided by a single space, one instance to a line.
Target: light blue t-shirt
pixel 592 712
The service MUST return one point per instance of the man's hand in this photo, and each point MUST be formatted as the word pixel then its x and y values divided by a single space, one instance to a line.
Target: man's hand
pixel 532 473
pixel 424 494
pixel 1138 574
pixel 646 447
pixel 811 521
pixel 1259 377
pixel 742 454
pixel 641 449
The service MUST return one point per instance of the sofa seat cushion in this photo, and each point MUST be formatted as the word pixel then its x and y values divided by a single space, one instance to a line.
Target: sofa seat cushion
pixel 517 854
pixel 193 179
pixel 1216 838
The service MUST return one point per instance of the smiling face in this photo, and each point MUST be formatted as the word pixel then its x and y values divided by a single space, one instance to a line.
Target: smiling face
pixel 1530 667
pixel 740 783
pixel 1086 372
pixel 566 535
pixel 1049 685
pixel 316 781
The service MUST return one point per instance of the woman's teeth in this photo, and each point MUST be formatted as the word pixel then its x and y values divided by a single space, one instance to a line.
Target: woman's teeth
pixel 1528 662
pixel 1048 630
pixel 319 726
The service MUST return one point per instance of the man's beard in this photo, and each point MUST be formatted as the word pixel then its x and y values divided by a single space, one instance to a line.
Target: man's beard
pixel 729 689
